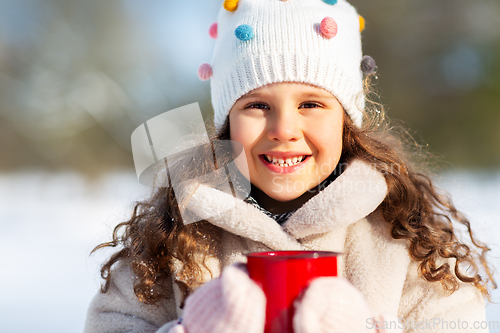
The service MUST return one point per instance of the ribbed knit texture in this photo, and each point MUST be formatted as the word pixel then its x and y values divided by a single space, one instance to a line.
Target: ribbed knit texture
pixel 287 46
pixel 232 303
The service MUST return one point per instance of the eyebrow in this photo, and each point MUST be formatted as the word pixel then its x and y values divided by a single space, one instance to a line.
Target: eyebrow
pixel 305 95
pixel 255 94
pixel 325 95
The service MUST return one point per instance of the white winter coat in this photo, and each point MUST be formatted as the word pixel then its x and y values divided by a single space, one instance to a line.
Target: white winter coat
pixel 340 218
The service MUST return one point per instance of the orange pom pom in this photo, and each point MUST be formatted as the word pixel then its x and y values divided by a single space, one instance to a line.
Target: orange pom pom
pixel 230 5
pixel 361 23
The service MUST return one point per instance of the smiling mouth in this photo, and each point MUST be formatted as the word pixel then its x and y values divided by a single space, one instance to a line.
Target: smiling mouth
pixel 284 163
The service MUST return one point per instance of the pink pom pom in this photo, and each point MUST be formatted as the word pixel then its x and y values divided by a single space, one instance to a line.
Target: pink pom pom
pixel 329 27
pixel 213 30
pixel 205 72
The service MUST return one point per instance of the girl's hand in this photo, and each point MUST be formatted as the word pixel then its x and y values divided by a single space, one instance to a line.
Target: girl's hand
pixel 330 305
pixel 231 303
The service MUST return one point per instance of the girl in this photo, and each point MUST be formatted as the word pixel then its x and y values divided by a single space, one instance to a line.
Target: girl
pixel 326 174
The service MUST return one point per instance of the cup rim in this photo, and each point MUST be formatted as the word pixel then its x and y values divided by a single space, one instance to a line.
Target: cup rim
pixel 290 255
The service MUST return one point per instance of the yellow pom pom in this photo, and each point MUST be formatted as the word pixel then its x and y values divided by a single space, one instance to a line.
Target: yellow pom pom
pixel 230 5
pixel 361 23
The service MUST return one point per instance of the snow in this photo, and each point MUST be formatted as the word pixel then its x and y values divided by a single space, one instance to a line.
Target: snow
pixel 50 222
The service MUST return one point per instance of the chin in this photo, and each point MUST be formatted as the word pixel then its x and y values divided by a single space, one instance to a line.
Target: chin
pixel 284 196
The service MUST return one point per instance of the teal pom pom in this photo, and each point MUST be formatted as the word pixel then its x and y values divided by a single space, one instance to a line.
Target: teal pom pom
pixel 330 2
pixel 244 32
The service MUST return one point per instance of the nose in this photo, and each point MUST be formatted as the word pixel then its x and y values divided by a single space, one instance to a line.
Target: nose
pixel 284 127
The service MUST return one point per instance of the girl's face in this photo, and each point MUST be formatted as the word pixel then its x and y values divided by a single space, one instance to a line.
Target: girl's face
pixel 292 136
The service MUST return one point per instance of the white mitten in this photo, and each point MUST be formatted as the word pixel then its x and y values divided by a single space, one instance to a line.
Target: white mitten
pixel 332 305
pixel 231 303
pixel 387 323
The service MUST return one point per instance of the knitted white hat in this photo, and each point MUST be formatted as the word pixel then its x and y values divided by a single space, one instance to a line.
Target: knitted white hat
pixel 259 42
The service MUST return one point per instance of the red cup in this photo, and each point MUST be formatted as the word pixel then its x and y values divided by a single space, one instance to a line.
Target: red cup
pixel 283 275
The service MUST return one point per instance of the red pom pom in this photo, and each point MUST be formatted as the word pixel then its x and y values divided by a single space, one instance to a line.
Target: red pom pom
pixel 329 27
pixel 213 30
pixel 205 72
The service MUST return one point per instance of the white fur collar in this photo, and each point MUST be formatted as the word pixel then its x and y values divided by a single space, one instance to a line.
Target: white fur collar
pixel 357 192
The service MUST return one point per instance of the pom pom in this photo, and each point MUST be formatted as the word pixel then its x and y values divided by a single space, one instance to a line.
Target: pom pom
pixel 328 27
pixel 330 2
pixel 213 30
pixel 368 65
pixel 230 5
pixel 361 23
pixel 205 72
pixel 244 32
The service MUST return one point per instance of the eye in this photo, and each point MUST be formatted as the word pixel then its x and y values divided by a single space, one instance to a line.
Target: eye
pixel 256 106
pixel 310 105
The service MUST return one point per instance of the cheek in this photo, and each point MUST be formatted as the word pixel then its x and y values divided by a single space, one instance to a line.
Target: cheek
pixel 242 132
pixel 330 148
pixel 233 126
pixel 329 142
pixel 246 130
pixel 237 130
pixel 331 131
pixel 336 140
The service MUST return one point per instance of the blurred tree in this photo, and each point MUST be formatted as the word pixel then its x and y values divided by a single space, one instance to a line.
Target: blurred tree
pixel 438 63
pixel 77 77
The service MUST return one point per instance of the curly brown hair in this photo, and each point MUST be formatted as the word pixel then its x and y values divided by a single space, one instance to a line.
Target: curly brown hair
pixel 155 239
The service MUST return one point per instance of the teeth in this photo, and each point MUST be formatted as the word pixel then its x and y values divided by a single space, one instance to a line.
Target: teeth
pixel 285 163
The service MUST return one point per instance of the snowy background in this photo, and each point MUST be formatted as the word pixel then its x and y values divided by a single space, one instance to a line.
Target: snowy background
pixel 50 222
pixel 77 77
